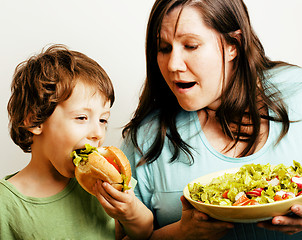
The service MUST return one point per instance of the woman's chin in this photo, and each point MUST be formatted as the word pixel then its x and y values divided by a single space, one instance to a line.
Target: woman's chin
pixel 189 108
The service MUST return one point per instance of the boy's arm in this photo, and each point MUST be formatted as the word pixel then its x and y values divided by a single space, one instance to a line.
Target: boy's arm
pixel 135 219
pixel 119 232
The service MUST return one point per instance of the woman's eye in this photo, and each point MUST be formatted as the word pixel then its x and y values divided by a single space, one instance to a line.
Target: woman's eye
pixel 191 47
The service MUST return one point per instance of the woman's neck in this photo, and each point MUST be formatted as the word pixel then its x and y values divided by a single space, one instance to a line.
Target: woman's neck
pixel 222 142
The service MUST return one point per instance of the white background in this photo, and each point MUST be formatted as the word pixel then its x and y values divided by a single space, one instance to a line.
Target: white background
pixel 113 33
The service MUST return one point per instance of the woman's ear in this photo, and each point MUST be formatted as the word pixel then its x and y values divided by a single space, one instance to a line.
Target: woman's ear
pixel 231 53
pixel 231 50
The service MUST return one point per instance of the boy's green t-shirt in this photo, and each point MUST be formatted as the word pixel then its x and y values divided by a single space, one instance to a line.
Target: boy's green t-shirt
pixel 70 214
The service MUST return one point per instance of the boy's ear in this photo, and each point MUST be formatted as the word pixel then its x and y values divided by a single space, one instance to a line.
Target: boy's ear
pixel 34 130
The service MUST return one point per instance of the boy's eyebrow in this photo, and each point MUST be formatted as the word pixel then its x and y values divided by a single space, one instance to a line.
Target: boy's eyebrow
pixel 106 113
pixel 89 110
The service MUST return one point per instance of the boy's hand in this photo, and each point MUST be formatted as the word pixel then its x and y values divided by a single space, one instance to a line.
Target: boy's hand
pixel 132 214
pixel 119 205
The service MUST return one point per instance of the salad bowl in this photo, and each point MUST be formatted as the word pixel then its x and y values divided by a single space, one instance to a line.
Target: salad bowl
pixel 242 214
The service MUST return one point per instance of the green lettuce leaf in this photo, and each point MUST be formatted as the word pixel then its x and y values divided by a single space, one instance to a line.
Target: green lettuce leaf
pixel 248 178
pixel 80 156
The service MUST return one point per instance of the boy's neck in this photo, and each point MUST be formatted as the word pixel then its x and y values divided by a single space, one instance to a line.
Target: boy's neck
pixel 33 181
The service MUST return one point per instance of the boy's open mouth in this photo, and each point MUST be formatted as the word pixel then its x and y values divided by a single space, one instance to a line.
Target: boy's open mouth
pixel 185 85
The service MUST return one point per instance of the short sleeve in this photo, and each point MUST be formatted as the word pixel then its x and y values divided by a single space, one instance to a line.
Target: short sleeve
pixel 143 174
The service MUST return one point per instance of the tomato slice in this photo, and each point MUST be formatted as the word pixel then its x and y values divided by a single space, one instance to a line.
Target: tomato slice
pixel 253 202
pixel 242 201
pixel 298 181
pixel 255 193
pixel 247 202
pixel 282 195
pixel 277 198
pixel 288 195
pixel 111 161
pixel 225 194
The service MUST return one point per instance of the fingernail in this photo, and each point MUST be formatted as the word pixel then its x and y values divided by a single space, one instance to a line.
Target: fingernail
pixel 295 209
pixel 277 222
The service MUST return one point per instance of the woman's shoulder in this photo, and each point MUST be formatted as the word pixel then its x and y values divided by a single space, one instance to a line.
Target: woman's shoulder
pixel 287 79
pixel 285 74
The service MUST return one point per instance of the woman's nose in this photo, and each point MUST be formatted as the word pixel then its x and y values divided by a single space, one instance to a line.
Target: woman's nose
pixel 176 61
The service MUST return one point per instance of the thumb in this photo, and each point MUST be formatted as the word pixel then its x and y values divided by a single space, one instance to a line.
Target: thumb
pixel 185 203
pixel 187 206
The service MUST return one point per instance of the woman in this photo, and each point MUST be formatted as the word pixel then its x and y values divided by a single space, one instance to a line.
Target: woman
pixel 212 100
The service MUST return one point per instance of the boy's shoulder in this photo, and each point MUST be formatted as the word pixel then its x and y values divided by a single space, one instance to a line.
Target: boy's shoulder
pixel 64 211
pixel 6 188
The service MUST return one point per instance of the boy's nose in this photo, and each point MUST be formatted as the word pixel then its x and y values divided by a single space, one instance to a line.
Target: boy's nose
pixel 96 133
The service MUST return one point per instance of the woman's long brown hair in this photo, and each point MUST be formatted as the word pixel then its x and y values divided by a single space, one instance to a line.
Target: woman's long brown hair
pixel 240 98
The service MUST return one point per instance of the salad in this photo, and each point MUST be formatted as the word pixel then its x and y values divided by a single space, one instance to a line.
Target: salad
pixel 253 184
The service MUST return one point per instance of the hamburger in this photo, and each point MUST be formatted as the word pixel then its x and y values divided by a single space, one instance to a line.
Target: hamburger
pixel 109 164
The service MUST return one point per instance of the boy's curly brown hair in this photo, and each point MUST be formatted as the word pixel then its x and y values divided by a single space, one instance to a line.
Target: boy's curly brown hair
pixel 43 81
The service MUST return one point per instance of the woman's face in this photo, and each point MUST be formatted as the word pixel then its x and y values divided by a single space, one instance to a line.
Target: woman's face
pixel 190 59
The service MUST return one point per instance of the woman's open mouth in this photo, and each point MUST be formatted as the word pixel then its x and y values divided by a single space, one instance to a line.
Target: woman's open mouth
pixel 185 85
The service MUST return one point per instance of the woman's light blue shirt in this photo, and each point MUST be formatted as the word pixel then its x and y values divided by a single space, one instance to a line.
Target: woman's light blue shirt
pixel 160 184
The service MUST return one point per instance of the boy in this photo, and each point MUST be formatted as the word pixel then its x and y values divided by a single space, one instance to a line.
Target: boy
pixel 60 101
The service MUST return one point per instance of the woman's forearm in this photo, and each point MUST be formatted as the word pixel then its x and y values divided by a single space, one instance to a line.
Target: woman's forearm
pixel 171 232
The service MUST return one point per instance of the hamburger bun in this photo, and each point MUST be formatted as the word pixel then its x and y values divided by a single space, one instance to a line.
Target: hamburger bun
pixel 98 166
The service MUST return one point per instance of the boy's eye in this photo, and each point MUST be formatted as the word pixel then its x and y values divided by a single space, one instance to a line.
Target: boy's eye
pixel 81 118
pixel 103 121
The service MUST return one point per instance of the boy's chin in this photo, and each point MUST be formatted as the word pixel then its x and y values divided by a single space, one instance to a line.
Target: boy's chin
pixel 68 174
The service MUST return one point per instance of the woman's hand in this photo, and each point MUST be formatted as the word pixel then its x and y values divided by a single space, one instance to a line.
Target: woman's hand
pixel 197 225
pixel 193 225
pixel 135 217
pixel 286 224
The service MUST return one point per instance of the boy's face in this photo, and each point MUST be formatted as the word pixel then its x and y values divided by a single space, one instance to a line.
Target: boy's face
pixel 79 120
